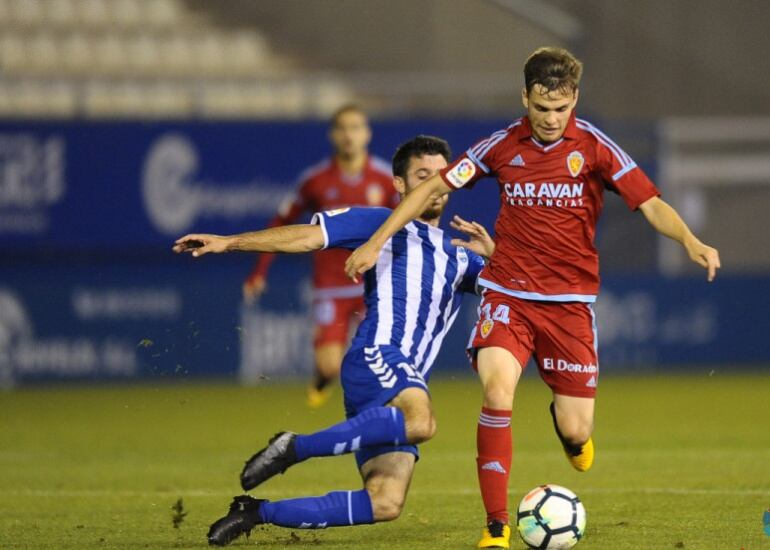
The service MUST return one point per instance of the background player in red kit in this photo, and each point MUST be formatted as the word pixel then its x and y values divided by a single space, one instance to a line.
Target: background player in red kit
pixel 351 177
pixel 552 169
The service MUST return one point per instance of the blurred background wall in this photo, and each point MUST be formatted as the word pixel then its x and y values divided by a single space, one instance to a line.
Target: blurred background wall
pixel 126 123
pixel 645 59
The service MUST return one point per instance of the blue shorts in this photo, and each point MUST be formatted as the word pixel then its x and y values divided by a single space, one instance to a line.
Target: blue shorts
pixel 372 377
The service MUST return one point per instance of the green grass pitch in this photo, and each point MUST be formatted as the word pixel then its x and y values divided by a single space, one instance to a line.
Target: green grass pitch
pixel 682 462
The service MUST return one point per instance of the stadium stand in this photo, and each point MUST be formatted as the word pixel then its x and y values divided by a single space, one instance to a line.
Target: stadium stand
pixel 159 58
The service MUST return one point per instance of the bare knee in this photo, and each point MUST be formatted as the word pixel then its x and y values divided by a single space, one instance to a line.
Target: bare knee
pixel 498 396
pixel 415 405
pixel 499 373
pixel 328 359
pixel 498 392
pixel 387 501
pixel 575 418
pixel 575 431
pixel 420 426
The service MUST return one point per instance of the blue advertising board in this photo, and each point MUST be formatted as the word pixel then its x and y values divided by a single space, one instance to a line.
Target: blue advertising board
pixel 184 318
pixel 90 289
pixel 108 185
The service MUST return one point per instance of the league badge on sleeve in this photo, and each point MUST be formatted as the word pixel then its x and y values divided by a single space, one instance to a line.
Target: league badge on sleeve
pixel 575 162
pixel 462 173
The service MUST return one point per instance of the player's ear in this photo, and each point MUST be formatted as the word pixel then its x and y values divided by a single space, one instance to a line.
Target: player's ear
pixel 399 184
pixel 525 98
pixel 577 94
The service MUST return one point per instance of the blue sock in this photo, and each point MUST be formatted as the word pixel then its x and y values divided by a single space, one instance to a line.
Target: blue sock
pixel 335 509
pixel 372 428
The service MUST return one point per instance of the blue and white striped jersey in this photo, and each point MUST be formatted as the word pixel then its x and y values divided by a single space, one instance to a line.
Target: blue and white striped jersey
pixel 414 291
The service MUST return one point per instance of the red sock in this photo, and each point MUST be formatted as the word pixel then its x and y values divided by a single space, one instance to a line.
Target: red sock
pixel 493 463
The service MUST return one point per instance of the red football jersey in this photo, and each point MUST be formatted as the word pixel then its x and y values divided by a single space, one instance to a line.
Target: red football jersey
pixel 551 197
pixel 325 187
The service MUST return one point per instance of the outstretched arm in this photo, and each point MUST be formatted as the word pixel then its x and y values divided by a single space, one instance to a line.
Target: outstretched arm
pixel 289 239
pixel 667 221
pixel 289 212
pixel 412 205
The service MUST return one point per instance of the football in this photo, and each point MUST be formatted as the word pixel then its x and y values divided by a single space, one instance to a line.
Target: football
pixel 551 517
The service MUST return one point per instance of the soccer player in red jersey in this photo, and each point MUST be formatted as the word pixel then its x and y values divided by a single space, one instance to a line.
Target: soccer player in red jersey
pixel 552 169
pixel 351 177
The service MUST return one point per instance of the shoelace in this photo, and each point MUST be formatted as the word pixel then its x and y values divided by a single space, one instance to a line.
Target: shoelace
pixel 495 528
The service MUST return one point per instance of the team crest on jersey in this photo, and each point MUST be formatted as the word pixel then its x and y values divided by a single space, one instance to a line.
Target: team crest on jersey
pixel 332 213
pixel 462 173
pixel 575 162
pixel 486 327
pixel 375 196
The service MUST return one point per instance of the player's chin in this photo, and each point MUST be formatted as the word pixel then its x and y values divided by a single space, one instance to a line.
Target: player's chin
pixel 432 213
pixel 549 135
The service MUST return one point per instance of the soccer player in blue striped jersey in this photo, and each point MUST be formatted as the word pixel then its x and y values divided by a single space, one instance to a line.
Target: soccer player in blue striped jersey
pixel 412 298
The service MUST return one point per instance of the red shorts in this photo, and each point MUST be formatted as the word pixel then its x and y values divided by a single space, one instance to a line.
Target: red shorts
pixel 561 335
pixel 335 317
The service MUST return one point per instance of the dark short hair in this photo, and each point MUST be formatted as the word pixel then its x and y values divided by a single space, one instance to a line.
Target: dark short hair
pixel 418 147
pixel 347 108
pixel 555 69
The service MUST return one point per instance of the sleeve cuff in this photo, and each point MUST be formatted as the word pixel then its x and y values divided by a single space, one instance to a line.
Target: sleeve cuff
pixel 318 219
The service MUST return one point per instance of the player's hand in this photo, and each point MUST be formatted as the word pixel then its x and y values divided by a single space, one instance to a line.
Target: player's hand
pixel 478 241
pixel 705 256
pixel 362 259
pixel 200 244
pixel 253 288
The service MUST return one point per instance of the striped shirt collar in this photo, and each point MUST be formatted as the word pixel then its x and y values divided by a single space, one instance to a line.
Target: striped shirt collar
pixel 431 228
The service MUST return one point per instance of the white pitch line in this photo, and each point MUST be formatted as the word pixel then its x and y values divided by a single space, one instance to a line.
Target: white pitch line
pixel 620 453
pixel 98 493
pixel 626 490
pixel 618 490
pixel 680 491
